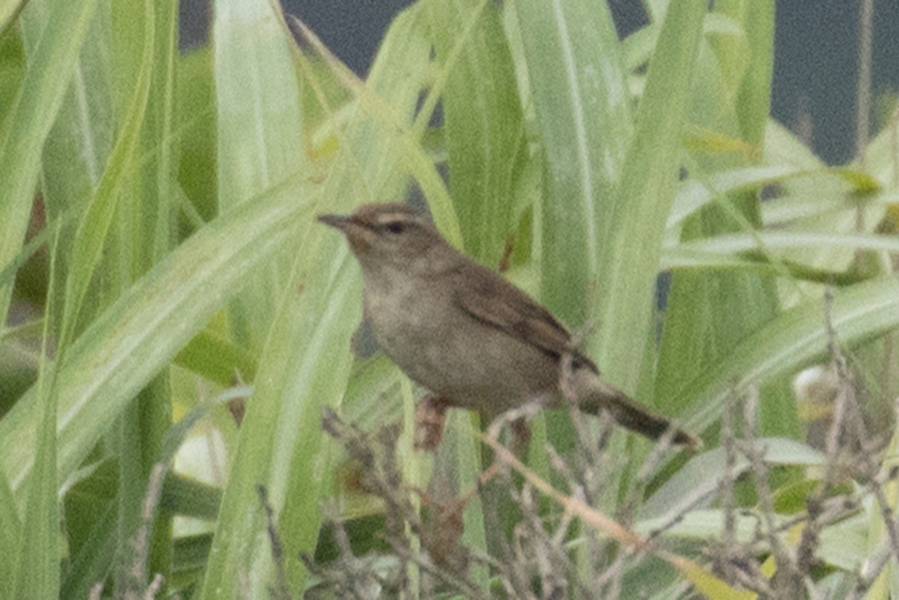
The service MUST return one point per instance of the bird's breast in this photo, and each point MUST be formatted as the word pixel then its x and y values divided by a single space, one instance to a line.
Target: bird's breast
pixel 443 348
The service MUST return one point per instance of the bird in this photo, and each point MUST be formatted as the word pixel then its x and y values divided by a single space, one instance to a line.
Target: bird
pixel 469 336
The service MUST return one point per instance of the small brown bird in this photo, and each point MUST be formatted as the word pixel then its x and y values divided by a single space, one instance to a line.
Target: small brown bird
pixel 465 333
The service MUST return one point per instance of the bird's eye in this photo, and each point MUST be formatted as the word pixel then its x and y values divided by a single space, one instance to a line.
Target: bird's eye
pixel 396 227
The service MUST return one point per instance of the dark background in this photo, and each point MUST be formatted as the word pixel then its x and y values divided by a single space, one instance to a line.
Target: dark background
pixel 815 58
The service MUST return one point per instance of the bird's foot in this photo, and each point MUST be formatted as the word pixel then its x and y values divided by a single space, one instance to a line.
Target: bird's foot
pixel 430 420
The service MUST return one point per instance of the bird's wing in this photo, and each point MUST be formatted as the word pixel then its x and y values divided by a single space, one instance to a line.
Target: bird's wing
pixel 497 303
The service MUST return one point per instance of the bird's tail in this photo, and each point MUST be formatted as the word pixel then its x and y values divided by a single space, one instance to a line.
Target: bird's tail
pixel 597 395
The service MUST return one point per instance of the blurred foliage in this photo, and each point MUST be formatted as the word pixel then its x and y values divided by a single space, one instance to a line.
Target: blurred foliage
pixel 166 288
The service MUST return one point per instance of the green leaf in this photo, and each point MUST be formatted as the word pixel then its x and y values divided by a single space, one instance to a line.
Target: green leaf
pixel 9 10
pixel 306 359
pixel 259 133
pixel 701 476
pixel 260 126
pixel 482 120
pixel 791 341
pixel 694 194
pixel 708 312
pixel 643 200
pixel 217 359
pixel 584 120
pixel 10 534
pixel 37 566
pixel 53 36
pixel 98 216
pixel 138 335
pixel 769 241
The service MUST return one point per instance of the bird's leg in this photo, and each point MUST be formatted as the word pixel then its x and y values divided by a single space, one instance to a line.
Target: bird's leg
pixel 521 437
pixel 430 420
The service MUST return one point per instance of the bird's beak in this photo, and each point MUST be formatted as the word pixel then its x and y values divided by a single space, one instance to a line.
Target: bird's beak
pixel 336 221
pixel 358 237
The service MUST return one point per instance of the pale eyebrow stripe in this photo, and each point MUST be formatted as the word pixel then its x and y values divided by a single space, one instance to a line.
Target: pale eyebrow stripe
pixel 397 216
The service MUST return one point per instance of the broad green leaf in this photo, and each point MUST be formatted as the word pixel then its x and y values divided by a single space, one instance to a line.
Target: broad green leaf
pixel 765 241
pixel 98 216
pixel 584 119
pixel 76 158
pixel 753 89
pixel 694 194
pixel 217 359
pixel 9 10
pixel 482 120
pixel 138 335
pixel 643 200
pixel 53 33
pixel 37 565
pixel 710 585
pixel 257 98
pixel 788 343
pixel 708 312
pixel 152 220
pixel 82 137
pixel 10 532
pixel 306 359
pixel 697 482
pixel 195 124
pixel 879 160
pixel 259 132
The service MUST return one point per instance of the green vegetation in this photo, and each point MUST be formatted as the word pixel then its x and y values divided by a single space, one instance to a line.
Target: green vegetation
pixel 160 263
